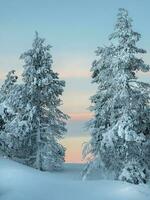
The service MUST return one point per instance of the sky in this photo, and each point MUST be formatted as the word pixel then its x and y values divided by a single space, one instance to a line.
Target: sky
pixel 75 28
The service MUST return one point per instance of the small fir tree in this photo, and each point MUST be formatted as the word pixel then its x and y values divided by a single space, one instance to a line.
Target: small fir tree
pixel 6 113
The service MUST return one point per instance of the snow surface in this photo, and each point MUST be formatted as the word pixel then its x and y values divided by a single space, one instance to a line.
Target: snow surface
pixel 19 182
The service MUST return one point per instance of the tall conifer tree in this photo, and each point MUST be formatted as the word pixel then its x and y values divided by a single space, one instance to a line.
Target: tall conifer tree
pixel 45 121
pixel 120 129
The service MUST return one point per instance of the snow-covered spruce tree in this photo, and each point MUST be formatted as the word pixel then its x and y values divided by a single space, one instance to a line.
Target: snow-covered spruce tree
pixel 15 133
pixel 17 130
pixel 45 122
pixel 6 113
pixel 120 129
pixel 7 86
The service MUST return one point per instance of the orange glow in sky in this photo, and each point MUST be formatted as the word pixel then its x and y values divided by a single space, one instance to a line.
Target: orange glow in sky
pixel 81 116
pixel 74 148
pixel 74 74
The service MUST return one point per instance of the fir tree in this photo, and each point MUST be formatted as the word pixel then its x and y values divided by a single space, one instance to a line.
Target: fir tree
pixel 45 123
pixel 7 86
pixel 120 130
pixel 6 113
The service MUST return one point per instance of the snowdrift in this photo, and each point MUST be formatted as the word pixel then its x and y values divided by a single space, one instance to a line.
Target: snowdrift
pixel 18 182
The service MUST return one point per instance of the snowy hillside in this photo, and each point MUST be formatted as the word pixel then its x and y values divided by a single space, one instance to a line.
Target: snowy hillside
pixel 18 182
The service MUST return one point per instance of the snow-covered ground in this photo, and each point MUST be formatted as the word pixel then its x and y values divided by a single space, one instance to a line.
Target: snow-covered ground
pixel 18 182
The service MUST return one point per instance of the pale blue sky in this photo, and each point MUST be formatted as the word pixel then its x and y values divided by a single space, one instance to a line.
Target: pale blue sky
pixel 74 28
pixel 68 24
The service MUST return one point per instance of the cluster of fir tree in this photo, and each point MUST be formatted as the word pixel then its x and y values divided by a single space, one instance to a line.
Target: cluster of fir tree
pixel 31 122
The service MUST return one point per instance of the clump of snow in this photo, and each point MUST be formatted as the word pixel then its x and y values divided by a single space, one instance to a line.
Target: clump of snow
pixel 19 182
